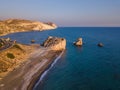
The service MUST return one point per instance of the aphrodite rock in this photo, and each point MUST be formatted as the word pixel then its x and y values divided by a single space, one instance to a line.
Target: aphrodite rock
pixel 78 42
pixel 100 44
pixel 55 43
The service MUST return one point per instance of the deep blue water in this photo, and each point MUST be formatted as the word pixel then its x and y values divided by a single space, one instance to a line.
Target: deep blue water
pixel 82 68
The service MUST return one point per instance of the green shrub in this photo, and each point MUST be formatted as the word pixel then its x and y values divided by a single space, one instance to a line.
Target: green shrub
pixel 10 55
pixel 0 45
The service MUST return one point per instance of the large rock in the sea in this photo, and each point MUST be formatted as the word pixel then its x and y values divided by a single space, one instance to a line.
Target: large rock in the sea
pixel 78 42
pixel 55 43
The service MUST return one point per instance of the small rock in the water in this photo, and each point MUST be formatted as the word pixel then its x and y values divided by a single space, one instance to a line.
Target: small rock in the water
pixel 78 42
pixel 100 44
pixel 32 41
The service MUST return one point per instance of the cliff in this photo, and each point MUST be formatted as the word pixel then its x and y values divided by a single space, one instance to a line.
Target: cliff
pixel 55 43
pixel 18 25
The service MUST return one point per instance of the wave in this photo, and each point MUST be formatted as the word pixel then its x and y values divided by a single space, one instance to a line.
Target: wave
pixel 45 72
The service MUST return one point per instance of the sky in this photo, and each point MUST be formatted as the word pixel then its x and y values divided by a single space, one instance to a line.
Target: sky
pixel 72 13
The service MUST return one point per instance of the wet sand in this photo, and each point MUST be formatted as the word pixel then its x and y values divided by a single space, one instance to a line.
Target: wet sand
pixel 25 76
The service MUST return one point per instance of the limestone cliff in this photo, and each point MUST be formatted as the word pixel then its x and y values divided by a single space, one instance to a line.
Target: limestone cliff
pixel 18 25
pixel 55 43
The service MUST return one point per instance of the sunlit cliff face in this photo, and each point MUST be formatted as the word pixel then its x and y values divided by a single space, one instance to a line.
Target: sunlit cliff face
pixel 55 43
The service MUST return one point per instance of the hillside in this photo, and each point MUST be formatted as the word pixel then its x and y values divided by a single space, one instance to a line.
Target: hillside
pixel 19 25
pixel 13 56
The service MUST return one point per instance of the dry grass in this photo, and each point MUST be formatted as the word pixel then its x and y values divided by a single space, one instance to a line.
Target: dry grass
pixel 12 57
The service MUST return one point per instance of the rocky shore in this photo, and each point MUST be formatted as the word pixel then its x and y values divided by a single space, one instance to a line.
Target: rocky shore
pixel 24 76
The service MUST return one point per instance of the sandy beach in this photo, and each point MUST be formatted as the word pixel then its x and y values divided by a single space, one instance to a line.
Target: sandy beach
pixel 25 76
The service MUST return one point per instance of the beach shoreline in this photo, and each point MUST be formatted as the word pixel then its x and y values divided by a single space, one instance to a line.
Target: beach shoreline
pixel 38 77
pixel 27 74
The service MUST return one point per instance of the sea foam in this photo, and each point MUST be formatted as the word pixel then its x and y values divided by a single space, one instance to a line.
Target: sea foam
pixel 45 72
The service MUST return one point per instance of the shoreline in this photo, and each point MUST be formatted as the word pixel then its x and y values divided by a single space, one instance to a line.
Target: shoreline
pixel 26 76
pixel 35 78
pixel 44 73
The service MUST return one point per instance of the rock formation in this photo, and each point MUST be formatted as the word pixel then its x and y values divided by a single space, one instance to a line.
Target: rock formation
pixel 78 42
pixel 5 42
pixel 100 44
pixel 55 43
pixel 33 41
pixel 17 25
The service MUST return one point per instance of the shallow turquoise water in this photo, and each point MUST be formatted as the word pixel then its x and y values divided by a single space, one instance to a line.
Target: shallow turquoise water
pixel 82 68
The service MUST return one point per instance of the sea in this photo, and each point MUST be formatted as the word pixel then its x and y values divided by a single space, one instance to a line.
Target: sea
pixel 80 68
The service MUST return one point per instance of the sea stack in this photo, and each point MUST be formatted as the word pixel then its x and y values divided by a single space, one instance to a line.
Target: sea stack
pixel 55 43
pixel 79 42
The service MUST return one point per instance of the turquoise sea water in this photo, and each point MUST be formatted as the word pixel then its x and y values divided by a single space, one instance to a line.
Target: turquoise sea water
pixel 81 68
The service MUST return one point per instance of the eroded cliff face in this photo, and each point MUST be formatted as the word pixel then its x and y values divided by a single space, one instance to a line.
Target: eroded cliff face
pixel 55 43
pixel 17 25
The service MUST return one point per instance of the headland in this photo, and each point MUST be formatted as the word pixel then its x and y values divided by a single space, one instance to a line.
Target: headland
pixel 21 25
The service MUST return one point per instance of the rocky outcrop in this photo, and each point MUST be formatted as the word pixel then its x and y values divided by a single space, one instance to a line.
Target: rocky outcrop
pixel 55 43
pixel 100 44
pixel 33 41
pixel 5 43
pixel 17 25
pixel 78 42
